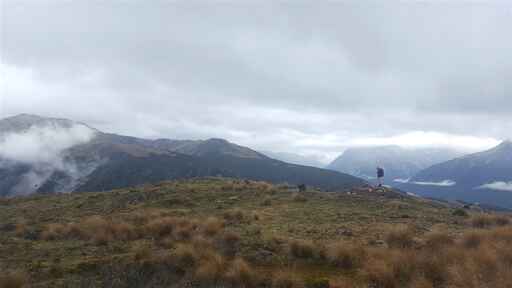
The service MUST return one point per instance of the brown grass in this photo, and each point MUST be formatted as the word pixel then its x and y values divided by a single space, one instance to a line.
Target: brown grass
pixel 473 239
pixel 379 274
pixel 55 231
pixel 437 239
pixel 211 268
pixel 208 252
pixel 297 197
pixel 502 220
pixel 482 221
pixel 345 256
pixel 302 249
pixel 14 279
pixel 400 237
pixel 185 256
pixel 229 243
pixel 284 279
pixel 234 216
pixel 142 253
pixel 161 227
pixel 21 229
pixel 213 226
pixel 487 220
pixel 240 274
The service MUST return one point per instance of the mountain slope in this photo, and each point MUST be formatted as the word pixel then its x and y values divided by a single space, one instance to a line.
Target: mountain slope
pixel 399 163
pixel 295 158
pixel 105 161
pixel 484 177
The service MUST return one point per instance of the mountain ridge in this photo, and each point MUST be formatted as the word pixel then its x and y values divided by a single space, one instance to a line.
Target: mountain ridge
pixel 470 177
pixel 109 161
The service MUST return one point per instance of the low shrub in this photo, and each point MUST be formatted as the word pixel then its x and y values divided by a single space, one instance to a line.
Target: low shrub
pixel 185 256
pixel 460 212
pixel 212 226
pixel 379 274
pixel 229 243
pixel 211 268
pixel 400 237
pixel 345 256
pixel 437 239
pixel 299 198
pixel 234 216
pixel 482 221
pixel 302 249
pixel 240 274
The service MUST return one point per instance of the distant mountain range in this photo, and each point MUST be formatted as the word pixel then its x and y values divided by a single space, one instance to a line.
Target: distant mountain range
pixel 295 158
pixel 399 163
pixel 43 155
pixel 484 177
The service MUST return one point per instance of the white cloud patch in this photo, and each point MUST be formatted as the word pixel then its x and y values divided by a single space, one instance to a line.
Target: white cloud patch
pixel 399 180
pixel 498 185
pixel 444 183
pixel 43 145
pixel 428 139
pixel 41 148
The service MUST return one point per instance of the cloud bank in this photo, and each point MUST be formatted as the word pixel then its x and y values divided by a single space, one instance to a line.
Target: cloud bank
pixel 311 79
pixel 444 183
pixel 43 145
pixel 42 150
pixel 498 185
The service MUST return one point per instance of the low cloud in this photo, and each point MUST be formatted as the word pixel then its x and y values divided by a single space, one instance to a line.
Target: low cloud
pixel 498 185
pixel 399 180
pixel 444 183
pixel 43 145
pixel 42 150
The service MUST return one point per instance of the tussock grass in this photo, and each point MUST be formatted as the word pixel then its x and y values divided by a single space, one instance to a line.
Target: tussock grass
pixel 238 242
pixel 487 220
pixel 303 249
pixel 282 279
pixel 346 256
pixel 13 279
pixel 400 237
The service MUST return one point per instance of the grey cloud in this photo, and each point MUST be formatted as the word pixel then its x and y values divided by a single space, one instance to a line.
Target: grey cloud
pixel 262 74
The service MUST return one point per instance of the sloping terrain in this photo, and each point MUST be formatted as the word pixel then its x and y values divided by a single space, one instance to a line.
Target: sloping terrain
pixel 484 177
pixel 76 157
pixel 400 163
pixel 229 233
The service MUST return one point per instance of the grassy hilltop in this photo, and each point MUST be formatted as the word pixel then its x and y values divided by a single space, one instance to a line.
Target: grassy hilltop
pixel 232 233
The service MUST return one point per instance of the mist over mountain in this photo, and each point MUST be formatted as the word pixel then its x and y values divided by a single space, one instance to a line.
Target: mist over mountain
pixel 484 177
pixel 295 158
pixel 47 155
pixel 35 149
pixel 399 163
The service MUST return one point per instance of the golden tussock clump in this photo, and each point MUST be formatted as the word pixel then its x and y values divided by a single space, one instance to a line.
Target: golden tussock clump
pixel 486 221
pixel 213 226
pixel 211 268
pixel 400 237
pixel 240 274
pixel 234 216
pixel 346 256
pixel 302 249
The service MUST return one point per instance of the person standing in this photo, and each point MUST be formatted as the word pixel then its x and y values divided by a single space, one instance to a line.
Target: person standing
pixel 380 175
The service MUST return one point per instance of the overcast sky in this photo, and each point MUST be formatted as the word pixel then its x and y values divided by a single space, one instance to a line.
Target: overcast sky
pixel 307 77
